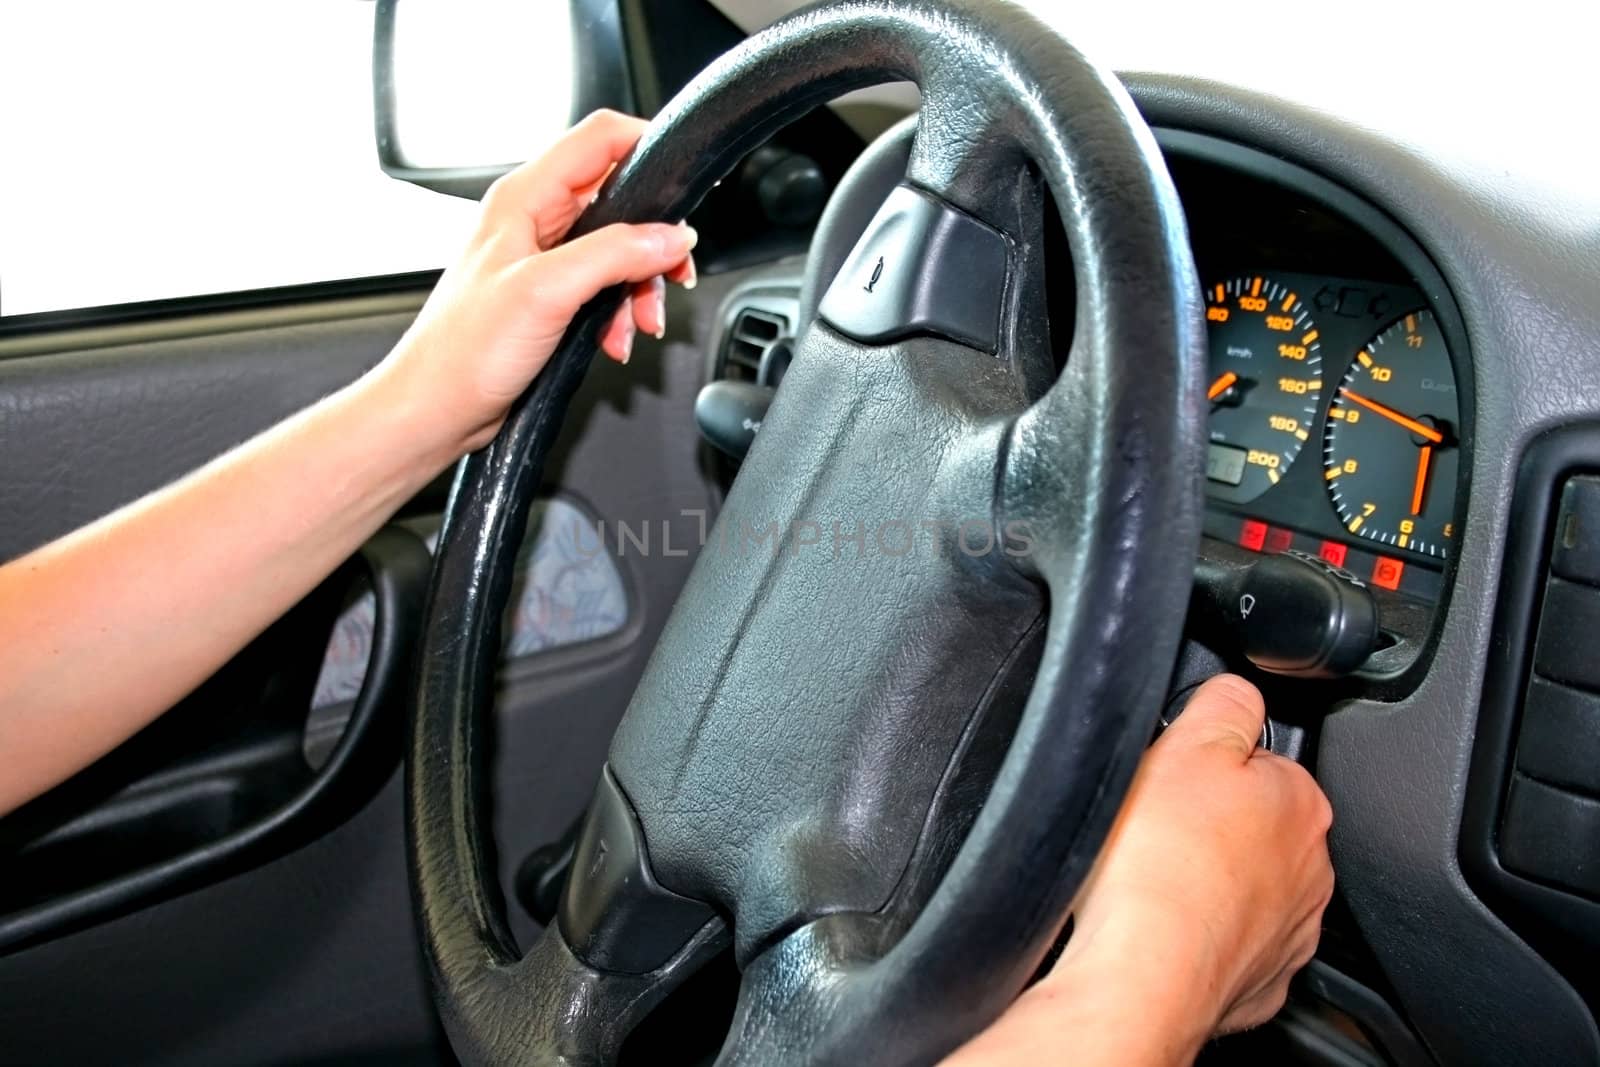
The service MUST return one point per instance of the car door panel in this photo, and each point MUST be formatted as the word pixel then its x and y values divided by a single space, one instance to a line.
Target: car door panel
pixel 85 430
pixel 312 956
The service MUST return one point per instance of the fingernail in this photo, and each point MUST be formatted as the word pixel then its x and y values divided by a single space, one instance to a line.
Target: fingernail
pixel 694 276
pixel 660 287
pixel 627 342
pixel 675 240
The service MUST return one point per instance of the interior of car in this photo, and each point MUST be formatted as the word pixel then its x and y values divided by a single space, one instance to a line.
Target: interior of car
pixel 685 623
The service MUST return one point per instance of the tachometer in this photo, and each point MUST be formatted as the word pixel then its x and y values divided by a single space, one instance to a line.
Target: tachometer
pixel 1266 378
pixel 1390 449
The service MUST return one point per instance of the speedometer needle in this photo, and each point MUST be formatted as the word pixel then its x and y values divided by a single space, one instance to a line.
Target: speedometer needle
pixel 1420 429
pixel 1422 479
pixel 1221 385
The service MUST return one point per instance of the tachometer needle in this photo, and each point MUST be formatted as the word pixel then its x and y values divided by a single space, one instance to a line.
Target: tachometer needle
pixel 1420 429
pixel 1422 479
pixel 1221 385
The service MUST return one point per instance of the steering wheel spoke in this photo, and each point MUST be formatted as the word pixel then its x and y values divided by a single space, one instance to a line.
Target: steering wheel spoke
pixel 552 1007
pixel 804 977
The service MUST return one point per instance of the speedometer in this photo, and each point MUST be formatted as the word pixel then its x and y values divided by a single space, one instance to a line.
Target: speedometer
pixel 1265 381
pixel 1391 446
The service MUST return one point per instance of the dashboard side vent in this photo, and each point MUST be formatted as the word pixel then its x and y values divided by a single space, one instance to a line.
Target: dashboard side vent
pixel 752 333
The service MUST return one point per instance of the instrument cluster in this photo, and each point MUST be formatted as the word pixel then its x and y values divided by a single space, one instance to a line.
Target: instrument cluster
pixel 1337 398
pixel 1333 415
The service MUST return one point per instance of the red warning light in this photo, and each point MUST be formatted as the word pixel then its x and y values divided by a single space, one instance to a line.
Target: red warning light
pixel 1387 572
pixel 1253 534
pixel 1279 539
pixel 1333 552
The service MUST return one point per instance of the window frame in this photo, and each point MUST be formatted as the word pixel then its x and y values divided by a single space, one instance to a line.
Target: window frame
pixel 34 323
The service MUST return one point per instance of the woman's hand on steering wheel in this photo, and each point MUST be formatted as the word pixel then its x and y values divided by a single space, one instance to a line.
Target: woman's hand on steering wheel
pixel 496 315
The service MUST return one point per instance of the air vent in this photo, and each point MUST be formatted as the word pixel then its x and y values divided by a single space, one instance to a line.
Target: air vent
pixel 752 333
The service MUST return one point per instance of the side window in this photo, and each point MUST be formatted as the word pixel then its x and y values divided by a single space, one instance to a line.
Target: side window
pixel 171 148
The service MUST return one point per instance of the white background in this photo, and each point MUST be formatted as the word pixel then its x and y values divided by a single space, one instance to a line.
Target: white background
pixel 155 148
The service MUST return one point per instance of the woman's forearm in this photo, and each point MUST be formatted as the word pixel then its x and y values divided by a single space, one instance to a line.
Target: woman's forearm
pixel 106 628
pixel 1116 999
pixel 103 630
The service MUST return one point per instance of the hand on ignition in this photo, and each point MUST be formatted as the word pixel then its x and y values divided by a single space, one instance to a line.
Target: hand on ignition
pixel 1207 898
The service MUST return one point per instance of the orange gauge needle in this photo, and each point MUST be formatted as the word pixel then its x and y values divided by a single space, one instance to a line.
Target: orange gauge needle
pixel 1422 479
pixel 1411 424
pixel 1221 385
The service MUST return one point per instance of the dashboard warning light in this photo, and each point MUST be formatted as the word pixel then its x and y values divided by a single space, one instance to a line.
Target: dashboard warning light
pixel 1333 552
pixel 1386 572
pixel 1253 534
pixel 1279 539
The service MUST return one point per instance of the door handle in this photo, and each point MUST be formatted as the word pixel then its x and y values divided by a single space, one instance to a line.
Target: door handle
pixel 397 563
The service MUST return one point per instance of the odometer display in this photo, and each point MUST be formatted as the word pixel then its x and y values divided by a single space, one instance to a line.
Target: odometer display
pixel 1391 445
pixel 1265 381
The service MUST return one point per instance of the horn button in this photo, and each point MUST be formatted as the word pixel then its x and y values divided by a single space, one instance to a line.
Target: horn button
pixel 815 687
pixel 921 267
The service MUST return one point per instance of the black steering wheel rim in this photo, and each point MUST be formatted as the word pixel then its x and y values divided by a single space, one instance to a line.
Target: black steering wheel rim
pixel 1103 467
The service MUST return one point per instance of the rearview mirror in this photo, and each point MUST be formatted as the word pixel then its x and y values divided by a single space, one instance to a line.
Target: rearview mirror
pixel 464 90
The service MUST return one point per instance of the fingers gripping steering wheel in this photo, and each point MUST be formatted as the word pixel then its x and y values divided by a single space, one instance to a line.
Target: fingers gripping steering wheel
pixel 835 762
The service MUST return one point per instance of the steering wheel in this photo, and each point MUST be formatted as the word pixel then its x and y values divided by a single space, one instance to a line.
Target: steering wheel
pixel 901 697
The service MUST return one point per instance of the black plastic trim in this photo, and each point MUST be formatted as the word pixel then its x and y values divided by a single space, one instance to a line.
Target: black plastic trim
pixel 40 322
pixel 398 564
pixel 667 45
pixel 1564 928
pixel 1393 684
pixel 613 913
pixel 1382 1024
